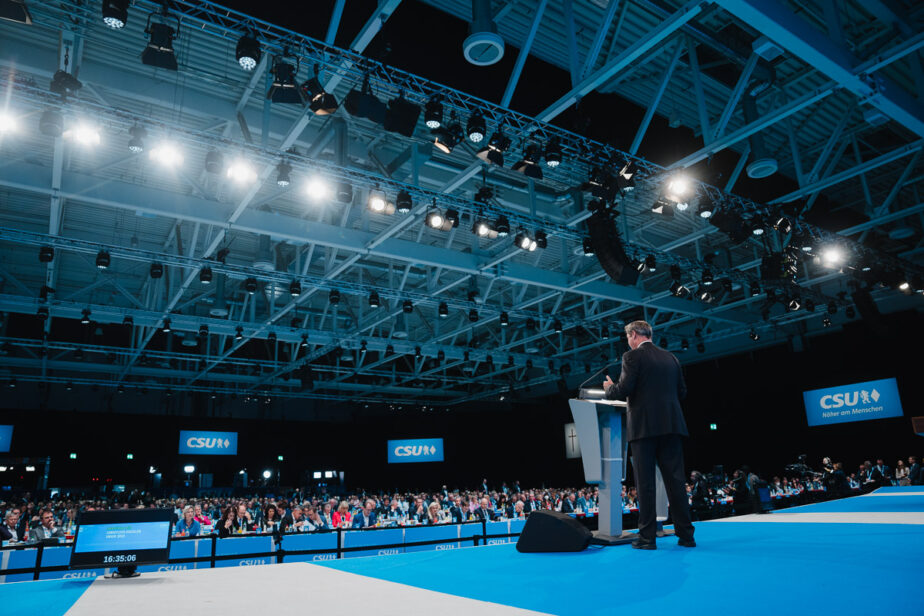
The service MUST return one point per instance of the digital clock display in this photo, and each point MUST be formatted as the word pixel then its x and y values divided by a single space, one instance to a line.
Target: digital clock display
pixel 125 537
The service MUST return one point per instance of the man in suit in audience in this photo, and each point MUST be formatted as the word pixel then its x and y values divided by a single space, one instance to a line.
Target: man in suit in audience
pixel 652 383
pixel 882 474
pixel 456 511
pixel 8 530
pixel 567 505
pixel 914 471
pixel 47 529
pixel 366 516
pixel 484 511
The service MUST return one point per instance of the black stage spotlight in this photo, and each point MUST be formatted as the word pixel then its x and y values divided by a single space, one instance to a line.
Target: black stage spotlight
pixel 502 226
pixel 403 202
pixel 407 306
pixel 250 285
pixel 205 275
pixel 271 338
pixel 473 315
pixel 238 333
pixel 651 264
pixel 128 321
pixel 51 123
pixel 46 254
pixel 443 310
pixel 504 319
pixel 832 307
pixel 295 288
pixel 754 335
pixel 334 296
pixel 588 247
pixel 481 227
pixel 795 302
pixel 529 164
pixel 850 311
pixel 435 218
pixel 494 152
pixel 284 88
pixel 663 207
pixel 115 13
pixel 304 343
pixel 445 138
pixel 16 11
pixel 401 116
pixel 433 112
pixel 374 300
pixel 677 289
pixel 165 328
pixel 283 174
pixel 475 128
pixel 556 325
pixel 826 320
pixel 684 344
pixel 755 288
pixel 42 313
pixel 157 270
pixel 136 143
pixel 452 217
pixel 542 240
pixel 248 51
pixel 203 330
pixel 783 225
pixel 85 317
pixel 552 153
pixel 604 333
pixel 320 102
pixel 159 51
pixel 362 103
pixel 103 260
pixel 706 207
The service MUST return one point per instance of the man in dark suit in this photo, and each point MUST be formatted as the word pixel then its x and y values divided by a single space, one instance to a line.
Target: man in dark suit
pixel 914 471
pixel 47 529
pixel 366 516
pixel 652 383
pixel 484 511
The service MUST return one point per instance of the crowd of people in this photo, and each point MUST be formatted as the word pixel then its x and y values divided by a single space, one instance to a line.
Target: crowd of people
pixel 712 495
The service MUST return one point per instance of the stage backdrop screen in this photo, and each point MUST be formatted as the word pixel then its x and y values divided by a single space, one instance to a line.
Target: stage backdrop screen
pixel 415 450
pixel 205 443
pixel 6 437
pixel 857 402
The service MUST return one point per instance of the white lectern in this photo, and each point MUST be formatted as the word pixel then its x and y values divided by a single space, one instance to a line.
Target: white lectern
pixel 601 426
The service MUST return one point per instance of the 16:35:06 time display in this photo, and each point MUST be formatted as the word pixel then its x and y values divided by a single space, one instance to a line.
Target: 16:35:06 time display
pixel 119 558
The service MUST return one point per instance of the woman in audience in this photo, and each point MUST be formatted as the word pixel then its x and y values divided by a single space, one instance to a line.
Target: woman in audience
pixel 901 473
pixel 187 526
pixel 270 522
pixel 200 517
pixel 433 513
pixel 228 520
pixel 342 517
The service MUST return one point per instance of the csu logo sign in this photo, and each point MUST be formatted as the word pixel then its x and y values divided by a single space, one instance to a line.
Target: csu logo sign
pixel 201 442
pixel 857 402
pixel 415 450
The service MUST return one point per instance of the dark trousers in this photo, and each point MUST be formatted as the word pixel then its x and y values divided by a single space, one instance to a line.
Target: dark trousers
pixel 667 452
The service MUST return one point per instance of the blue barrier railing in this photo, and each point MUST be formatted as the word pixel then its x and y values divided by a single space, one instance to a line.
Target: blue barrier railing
pixel 27 562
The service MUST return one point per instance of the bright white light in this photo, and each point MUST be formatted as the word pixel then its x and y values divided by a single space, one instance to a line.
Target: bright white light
pixel 242 172
pixel 83 134
pixel 832 256
pixel 316 474
pixel 30 469
pixel 377 203
pixel 3 470
pixel 705 214
pixel 8 123
pixel 682 206
pixel 532 245
pixel 328 474
pixel 267 474
pixel 679 186
pixel 189 468
pixel 483 229
pixel 167 154
pixel 758 231
pixel 317 189
pixel 247 63
pixel 904 286
pixel 114 22
pixel 152 470
pixel 436 221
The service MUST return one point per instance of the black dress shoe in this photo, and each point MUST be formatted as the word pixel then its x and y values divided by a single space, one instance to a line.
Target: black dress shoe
pixel 642 544
pixel 686 543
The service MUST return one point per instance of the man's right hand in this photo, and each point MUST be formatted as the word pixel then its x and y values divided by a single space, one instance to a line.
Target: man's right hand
pixel 608 383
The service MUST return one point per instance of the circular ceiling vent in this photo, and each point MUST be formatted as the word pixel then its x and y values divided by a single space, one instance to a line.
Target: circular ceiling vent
pixel 762 168
pixel 483 48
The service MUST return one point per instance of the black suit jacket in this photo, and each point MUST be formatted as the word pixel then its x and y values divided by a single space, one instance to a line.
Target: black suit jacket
pixel 914 474
pixel 566 506
pixel 652 383
pixel 5 534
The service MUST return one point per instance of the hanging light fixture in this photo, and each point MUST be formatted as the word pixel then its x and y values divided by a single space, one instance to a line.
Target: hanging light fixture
pixel 433 112
pixel 475 128
pixel 248 51
pixel 319 100
pixel 159 51
pixel 284 88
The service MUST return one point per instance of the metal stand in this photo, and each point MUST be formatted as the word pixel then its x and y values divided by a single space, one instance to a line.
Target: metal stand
pixel 124 572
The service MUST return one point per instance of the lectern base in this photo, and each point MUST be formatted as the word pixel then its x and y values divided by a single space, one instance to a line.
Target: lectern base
pixel 602 539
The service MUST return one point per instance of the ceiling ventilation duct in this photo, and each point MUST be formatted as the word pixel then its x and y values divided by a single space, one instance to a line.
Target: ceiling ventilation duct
pixel 762 163
pixel 264 259
pixel 484 46
pixel 219 306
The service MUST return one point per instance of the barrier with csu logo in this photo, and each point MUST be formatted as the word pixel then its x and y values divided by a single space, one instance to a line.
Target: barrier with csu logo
pixel 22 563
pixel 857 402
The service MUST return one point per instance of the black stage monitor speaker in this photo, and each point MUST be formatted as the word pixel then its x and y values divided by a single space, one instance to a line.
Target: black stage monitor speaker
pixel 550 531
pixel 608 248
